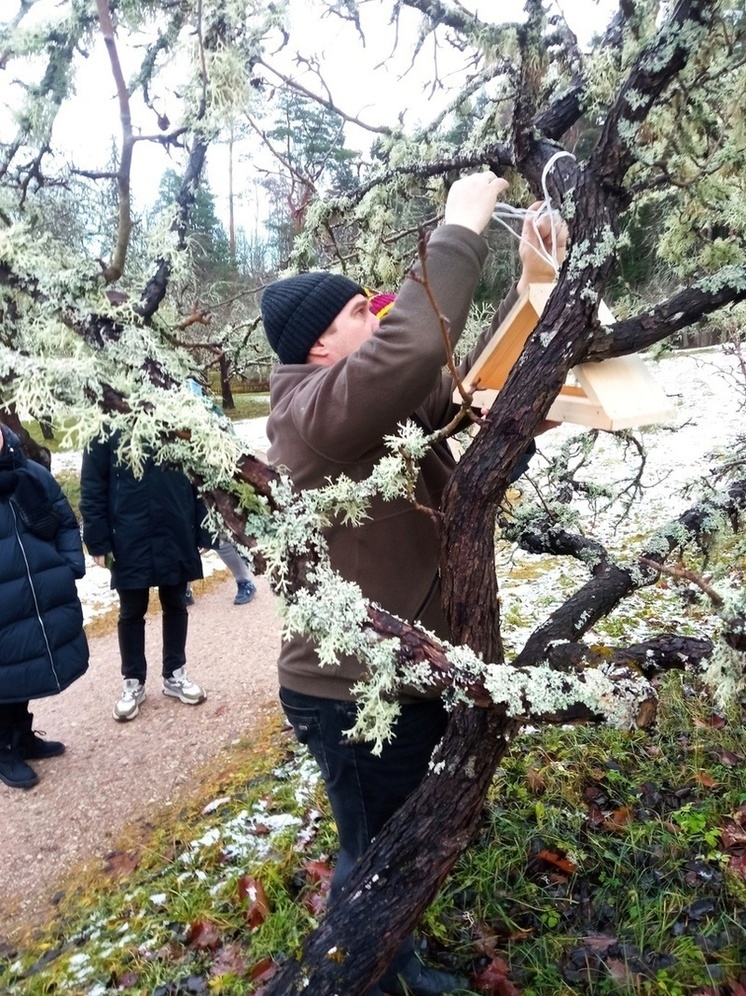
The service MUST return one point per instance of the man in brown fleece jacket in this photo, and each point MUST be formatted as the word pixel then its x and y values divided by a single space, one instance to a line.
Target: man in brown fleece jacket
pixel 344 382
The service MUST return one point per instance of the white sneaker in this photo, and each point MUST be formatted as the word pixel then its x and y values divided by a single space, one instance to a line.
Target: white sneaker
pixel 128 706
pixel 181 688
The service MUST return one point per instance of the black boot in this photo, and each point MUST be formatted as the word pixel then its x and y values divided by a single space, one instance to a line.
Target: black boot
pixel 32 746
pixel 13 769
pixel 420 980
pixel 407 974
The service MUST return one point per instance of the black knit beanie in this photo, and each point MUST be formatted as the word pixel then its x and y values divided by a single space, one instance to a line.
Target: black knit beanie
pixel 298 309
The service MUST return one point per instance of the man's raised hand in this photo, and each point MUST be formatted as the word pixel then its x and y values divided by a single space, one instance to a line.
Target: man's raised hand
pixel 471 200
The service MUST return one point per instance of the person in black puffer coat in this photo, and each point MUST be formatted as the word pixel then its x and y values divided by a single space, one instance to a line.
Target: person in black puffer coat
pixel 148 531
pixel 43 647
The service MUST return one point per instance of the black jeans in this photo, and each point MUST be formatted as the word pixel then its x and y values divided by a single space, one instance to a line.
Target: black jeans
pixel 12 714
pixel 364 789
pixel 133 605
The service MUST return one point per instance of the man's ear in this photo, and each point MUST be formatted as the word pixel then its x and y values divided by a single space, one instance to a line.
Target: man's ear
pixel 317 353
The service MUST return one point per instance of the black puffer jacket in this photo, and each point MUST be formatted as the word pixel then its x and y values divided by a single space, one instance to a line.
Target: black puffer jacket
pixel 42 644
pixel 151 524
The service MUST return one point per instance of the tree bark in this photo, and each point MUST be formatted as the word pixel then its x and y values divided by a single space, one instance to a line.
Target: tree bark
pixel 32 449
pixel 225 383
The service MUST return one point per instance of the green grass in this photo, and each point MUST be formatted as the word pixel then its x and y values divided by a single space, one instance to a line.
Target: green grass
pixel 600 868
pixel 60 429
pixel 248 406
pixel 69 481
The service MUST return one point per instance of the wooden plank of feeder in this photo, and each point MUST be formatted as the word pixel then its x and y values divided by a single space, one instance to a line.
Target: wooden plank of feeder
pixel 618 393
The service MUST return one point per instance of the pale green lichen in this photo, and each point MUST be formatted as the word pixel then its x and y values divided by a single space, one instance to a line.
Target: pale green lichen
pixel 725 676
pixel 588 254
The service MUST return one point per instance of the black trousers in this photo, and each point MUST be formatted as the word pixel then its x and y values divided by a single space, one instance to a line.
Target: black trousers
pixel 11 714
pixel 133 604
pixel 364 789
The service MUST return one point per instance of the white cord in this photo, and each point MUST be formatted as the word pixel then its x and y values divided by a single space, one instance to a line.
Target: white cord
pixel 507 210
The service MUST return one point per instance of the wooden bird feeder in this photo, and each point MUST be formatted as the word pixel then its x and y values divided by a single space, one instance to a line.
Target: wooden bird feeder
pixel 618 393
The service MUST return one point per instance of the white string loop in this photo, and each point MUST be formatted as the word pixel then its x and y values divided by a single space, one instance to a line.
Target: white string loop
pixel 508 211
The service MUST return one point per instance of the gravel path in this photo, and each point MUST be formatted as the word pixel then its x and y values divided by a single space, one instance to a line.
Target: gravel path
pixel 113 773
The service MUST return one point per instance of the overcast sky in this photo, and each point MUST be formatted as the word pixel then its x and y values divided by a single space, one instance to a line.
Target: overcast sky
pixel 375 82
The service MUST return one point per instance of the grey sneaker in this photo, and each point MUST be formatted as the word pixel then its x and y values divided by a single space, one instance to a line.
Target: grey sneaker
pixel 178 686
pixel 128 706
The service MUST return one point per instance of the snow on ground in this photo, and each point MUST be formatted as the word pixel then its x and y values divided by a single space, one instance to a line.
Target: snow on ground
pixel 702 384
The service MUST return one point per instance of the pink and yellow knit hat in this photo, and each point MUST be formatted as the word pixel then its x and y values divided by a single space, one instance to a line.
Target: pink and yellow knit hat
pixel 380 304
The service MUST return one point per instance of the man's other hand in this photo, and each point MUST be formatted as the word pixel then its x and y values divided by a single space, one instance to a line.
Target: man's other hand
pixel 535 237
pixel 471 200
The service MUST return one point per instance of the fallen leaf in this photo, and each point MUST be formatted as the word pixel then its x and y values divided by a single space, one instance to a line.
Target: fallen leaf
pixel 318 871
pixel 619 819
pixel 229 961
pixel 599 942
pixel 535 780
pixel 485 939
pixel 595 815
pixel 737 865
pixel 251 891
pixel 565 864
pixel 729 758
pixel 122 863
pixel 168 952
pixel 127 980
pixel 732 834
pixel 702 778
pixel 621 974
pixel 493 979
pixel 713 722
pixel 263 972
pixel 203 936
pixel 315 903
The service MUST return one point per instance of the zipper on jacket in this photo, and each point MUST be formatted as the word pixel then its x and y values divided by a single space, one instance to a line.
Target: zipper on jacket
pixel 36 603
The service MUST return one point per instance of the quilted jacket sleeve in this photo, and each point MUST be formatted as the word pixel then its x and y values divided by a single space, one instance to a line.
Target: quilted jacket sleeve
pixel 67 538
